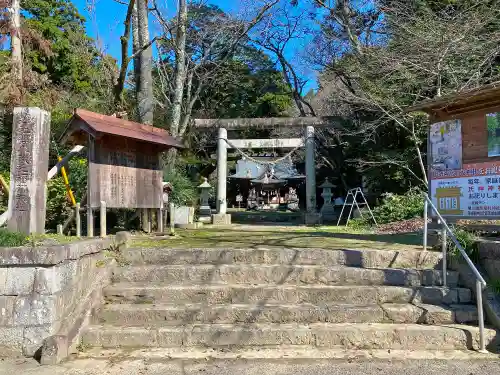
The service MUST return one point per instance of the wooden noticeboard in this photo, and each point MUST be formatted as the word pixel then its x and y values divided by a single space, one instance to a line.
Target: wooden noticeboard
pixel 464 153
pixel 126 173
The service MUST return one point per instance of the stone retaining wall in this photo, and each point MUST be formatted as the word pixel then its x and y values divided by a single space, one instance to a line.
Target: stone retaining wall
pixel 489 255
pixel 49 290
pixel 489 266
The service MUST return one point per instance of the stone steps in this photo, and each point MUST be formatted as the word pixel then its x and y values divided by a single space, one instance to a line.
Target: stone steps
pixel 248 299
pixel 319 335
pixel 288 354
pixel 149 293
pixel 282 274
pixel 165 314
pixel 298 256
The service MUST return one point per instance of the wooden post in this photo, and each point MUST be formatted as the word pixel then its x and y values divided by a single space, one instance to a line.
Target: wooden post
pixel 103 219
pixel 165 217
pixel 150 220
pixel 159 217
pixel 172 221
pixel 78 221
pixel 90 217
pixel 59 229
pixel 146 219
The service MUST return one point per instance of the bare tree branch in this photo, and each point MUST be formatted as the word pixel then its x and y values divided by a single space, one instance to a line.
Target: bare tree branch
pixel 125 59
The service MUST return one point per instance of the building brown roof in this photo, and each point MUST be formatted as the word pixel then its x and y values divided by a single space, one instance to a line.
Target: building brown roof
pixel 100 123
pixel 484 97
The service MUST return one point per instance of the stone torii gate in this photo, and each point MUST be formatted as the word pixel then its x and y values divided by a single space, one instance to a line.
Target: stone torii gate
pixel 223 144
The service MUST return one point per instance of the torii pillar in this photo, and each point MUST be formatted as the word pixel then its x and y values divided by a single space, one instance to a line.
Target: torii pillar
pixel 221 217
pixel 312 217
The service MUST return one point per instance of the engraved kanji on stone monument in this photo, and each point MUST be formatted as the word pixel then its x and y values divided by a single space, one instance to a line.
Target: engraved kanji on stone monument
pixel 28 170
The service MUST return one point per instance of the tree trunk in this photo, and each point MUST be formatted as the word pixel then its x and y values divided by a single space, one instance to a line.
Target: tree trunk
pixel 136 46
pixel 180 69
pixel 15 41
pixel 145 87
pixel 170 159
pixel 122 75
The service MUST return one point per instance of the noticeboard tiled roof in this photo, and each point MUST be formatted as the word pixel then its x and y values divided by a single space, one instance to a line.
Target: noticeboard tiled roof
pixel 112 125
pixel 477 99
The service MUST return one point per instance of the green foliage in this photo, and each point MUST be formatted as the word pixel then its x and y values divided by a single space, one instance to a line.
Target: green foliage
pixel 243 82
pixel 246 86
pixel 58 204
pixel 77 175
pixel 183 188
pixel 359 224
pixel 495 285
pixel 4 198
pixel 396 207
pixel 59 46
pixel 11 239
pixel 467 240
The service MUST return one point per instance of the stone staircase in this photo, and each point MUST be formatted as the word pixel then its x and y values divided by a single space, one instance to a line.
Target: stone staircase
pixel 272 298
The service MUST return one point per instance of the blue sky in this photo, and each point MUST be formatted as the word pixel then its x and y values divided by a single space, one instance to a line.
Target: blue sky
pixel 105 23
pixel 105 19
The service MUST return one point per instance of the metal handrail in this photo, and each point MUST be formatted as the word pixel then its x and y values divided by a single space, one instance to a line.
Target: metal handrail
pixel 480 282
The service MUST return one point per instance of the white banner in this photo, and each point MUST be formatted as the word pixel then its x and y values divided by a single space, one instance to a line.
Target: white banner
pixel 473 191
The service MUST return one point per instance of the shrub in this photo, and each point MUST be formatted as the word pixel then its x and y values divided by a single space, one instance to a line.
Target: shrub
pixel 361 223
pixel 4 198
pixel 467 240
pixel 12 239
pixel 495 286
pixel 58 204
pixel 183 189
pixel 396 207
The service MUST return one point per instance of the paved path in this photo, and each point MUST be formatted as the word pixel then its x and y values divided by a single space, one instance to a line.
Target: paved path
pixel 145 367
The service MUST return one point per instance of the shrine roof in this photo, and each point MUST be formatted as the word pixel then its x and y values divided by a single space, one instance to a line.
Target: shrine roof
pixel 99 123
pixel 484 97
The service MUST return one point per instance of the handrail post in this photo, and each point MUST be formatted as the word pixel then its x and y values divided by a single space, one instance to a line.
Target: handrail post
pixel 426 214
pixel 480 315
pixel 444 246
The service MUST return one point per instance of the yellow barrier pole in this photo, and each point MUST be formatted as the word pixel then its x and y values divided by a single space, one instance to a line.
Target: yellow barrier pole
pixel 66 182
pixel 4 185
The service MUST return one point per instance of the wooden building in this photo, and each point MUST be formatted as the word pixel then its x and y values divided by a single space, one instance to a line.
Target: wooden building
pixel 124 158
pixel 463 152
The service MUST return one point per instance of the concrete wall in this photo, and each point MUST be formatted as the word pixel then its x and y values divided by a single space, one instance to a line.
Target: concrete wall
pixel 49 290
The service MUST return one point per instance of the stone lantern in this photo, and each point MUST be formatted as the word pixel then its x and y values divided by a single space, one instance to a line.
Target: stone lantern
pixel 328 209
pixel 205 210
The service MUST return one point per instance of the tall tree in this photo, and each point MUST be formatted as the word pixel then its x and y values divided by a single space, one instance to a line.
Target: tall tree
pixel 416 50
pixel 15 41
pixel 144 80
pixel 283 28
pixel 180 68
pixel 196 43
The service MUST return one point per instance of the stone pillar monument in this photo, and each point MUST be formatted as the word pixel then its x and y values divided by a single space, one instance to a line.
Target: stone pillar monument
pixel 312 217
pixel 28 170
pixel 221 217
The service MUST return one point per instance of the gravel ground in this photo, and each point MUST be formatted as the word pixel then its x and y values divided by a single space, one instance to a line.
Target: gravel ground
pixel 142 367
